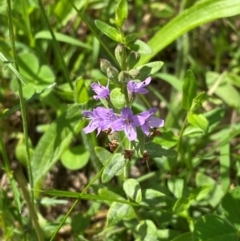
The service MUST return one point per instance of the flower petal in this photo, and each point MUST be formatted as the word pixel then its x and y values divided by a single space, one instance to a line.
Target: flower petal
pixel 130 132
pixel 155 122
pixel 93 125
pixel 145 129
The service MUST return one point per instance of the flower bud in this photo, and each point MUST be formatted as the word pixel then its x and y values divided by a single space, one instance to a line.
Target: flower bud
pixel 112 73
pixel 134 73
pixel 132 59
pixel 123 77
pixel 104 65
pixel 119 54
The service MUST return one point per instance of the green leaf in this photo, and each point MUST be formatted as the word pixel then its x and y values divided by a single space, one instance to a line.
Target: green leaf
pixel 230 205
pixel 184 237
pixel 149 69
pixel 75 157
pixel 155 150
pixel 117 98
pixel 46 76
pixel 139 46
pixel 113 167
pixel 121 12
pixel 198 101
pixel 198 14
pixel 29 90
pixel 118 212
pixel 198 120
pixel 20 150
pixel 214 117
pixel 6 62
pixel 225 161
pixel 81 93
pixel 151 197
pixel 28 66
pixel 167 139
pixel 215 194
pixel 171 79
pixel 110 31
pixel 176 186
pixel 62 38
pixel 182 204
pixel 109 194
pixel 218 84
pixel 214 228
pixel 133 190
pixel 102 154
pixel 200 192
pixel 60 193
pixel 55 140
pixel 147 231
pixel 189 89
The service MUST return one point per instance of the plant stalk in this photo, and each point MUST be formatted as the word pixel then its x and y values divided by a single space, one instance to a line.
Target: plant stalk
pixel 22 105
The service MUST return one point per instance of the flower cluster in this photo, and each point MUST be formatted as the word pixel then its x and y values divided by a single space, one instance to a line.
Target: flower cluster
pixel 102 118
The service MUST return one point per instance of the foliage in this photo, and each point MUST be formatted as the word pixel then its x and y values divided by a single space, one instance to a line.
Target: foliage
pixel 117 106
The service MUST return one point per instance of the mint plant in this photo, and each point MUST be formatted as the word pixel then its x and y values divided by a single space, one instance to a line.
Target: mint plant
pixel 87 131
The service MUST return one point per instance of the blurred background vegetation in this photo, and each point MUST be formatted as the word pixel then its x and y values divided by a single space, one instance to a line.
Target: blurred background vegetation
pixel 211 51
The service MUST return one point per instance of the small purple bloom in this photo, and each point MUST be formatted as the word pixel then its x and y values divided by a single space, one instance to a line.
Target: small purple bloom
pixel 101 119
pixel 138 87
pixel 150 120
pixel 101 91
pixel 128 123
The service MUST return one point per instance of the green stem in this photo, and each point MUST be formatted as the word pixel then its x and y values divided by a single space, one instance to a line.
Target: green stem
pixel 180 144
pixel 18 174
pixel 181 134
pixel 126 170
pixel 93 29
pixel 22 105
pixel 12 183
pixel 56 45
pixel 80 195
pixel 125 92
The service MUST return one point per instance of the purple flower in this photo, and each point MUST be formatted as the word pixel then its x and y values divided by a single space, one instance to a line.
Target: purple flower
pixel 128 123
pixel 150 120
pixel 138 87
pixel 101 119
pixel 101 91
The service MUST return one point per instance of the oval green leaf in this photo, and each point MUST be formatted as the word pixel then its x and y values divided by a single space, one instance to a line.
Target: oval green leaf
pixel 121 13
pixel 133 190
pixel 75 157
pixel 149 69
pixel 198 120
pixel 113 167
pixel 117 98
pixel 102 154
pixel 147 231
pixel 139 46
pixel 110 31
pixel 81 93
pixel 118 212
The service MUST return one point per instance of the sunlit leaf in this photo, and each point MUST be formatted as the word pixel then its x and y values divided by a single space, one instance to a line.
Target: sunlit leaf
pixel 55 140
pixel 133 190
pixel 198 14
pixel 113 167
pixel 189 89
pixel 110 31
